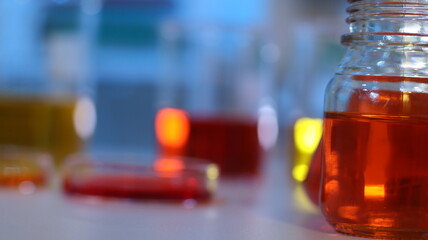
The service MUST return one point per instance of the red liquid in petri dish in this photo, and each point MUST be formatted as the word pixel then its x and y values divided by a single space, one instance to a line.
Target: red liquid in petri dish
pixel 376 162
pixel 137 187
pixel 232 143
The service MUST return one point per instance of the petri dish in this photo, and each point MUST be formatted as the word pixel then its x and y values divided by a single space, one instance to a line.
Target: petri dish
pixel 24 169
pixel 139 177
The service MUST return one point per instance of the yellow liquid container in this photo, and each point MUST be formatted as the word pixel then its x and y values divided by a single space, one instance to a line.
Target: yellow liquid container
pixel 45 123
pixel 307 134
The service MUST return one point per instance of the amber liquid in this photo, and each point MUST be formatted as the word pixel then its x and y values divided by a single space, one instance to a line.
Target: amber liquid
pixel 232 143
pixel 312 181
pixel 375 181
pixel 44 123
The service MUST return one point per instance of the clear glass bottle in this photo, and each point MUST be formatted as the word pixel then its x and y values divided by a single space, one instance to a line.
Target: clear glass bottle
pixel 45 98
pixel 375 172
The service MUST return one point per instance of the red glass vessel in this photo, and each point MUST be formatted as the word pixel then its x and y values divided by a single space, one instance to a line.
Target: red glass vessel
pixel 232 143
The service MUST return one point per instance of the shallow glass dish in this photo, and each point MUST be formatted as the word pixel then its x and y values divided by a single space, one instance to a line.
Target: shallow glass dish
pixel 24 169
pixel 137 176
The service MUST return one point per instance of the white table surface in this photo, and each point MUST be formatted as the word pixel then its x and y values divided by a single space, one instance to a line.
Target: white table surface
pixel 266 210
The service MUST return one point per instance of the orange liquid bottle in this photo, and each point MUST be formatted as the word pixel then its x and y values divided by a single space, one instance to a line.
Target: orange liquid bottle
pixel 375 174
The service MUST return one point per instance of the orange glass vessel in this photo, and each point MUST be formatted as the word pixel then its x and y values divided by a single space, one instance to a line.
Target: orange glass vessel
pixel 376 173
pixel 375 170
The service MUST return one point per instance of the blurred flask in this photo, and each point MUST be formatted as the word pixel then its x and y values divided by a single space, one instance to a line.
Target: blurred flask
pixel 44 99
pixel 214 100
pixel 126 61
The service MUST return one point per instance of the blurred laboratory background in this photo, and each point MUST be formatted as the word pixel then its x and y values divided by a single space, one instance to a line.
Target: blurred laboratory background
pixel 225 80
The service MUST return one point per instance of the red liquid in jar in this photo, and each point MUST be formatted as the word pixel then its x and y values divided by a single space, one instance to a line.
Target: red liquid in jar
pixel 135 187
pixel 229 142
pixel 313 179
pixel 375 179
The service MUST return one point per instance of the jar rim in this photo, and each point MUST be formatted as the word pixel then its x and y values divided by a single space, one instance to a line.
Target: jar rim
pixel 401 22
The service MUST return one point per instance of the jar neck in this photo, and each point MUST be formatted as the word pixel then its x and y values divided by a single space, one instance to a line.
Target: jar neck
pixel 387 37
pixel 363 59
pixel 387 22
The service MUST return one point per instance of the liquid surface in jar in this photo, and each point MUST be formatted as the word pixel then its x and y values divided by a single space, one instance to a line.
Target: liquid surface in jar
pixel 232 143
pixel 376 168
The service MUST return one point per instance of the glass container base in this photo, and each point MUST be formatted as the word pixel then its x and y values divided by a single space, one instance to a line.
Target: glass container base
pixel 380 232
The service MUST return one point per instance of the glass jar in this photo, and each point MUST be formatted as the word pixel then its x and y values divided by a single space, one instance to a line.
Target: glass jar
pixel 214 100
pixel 375 173
pixel 44 95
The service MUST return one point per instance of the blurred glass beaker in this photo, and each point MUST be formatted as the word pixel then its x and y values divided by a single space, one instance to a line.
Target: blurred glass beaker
pixel 44 99
pixel 215 98
pixel 126 70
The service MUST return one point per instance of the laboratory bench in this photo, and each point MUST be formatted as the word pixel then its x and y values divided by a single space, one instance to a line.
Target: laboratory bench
pixel 272 207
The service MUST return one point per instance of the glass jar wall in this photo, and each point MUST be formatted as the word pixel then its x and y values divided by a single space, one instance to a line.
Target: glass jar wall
pixel 375 176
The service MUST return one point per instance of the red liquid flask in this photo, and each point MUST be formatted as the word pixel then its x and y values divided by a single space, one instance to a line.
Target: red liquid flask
pixel 375 173
pixel 215 103
pixel 232 143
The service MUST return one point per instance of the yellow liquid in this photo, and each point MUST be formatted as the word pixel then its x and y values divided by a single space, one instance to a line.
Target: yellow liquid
pixel 307 135
pixel 44 123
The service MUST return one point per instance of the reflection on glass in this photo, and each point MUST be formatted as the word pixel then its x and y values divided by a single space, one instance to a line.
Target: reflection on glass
pixel 168 165
pixel 172 130
pixel 267 126
pixel 85 117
